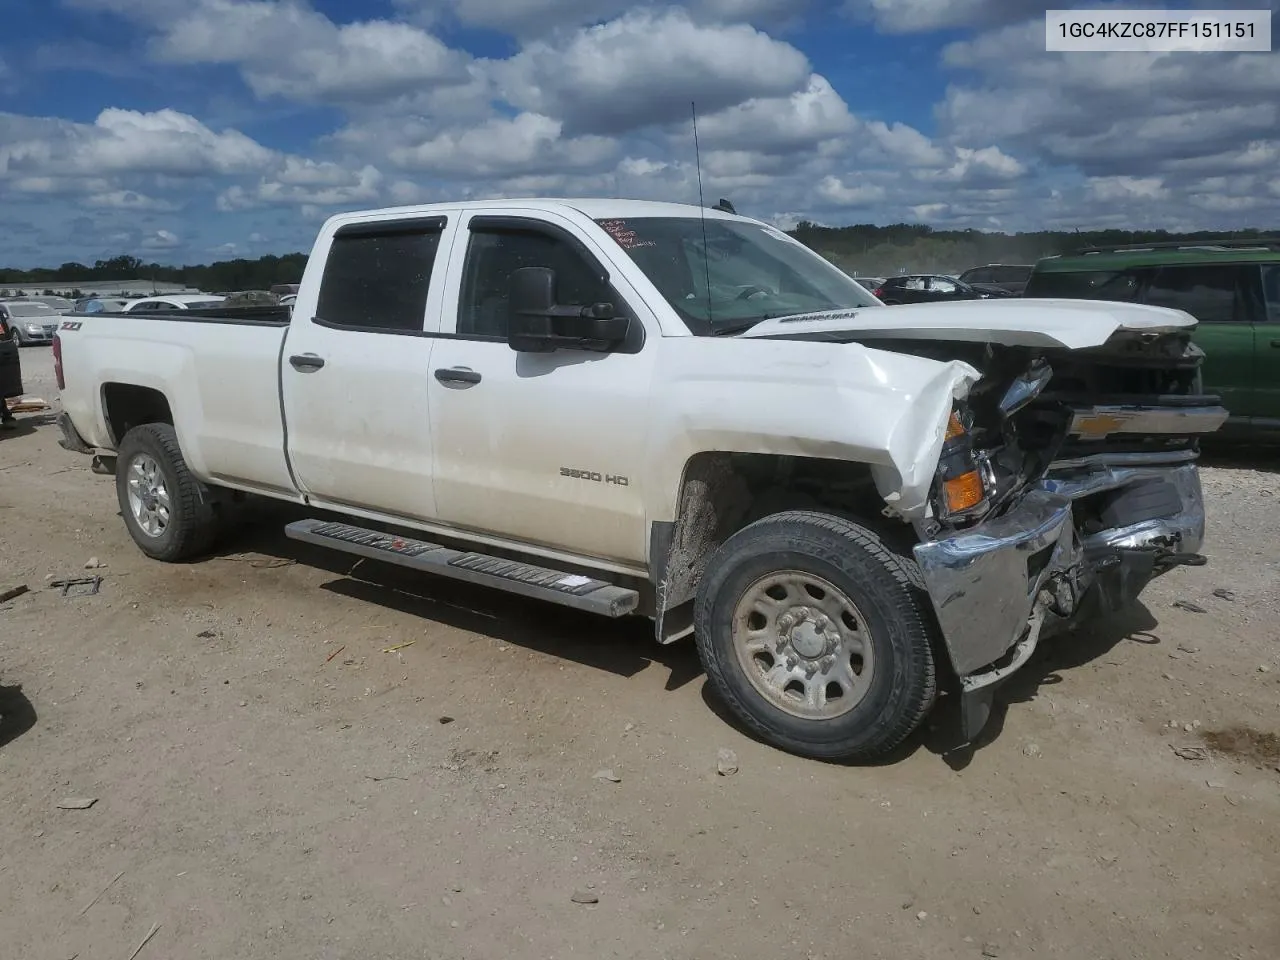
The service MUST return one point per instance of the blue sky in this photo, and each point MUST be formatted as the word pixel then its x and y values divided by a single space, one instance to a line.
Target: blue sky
pixel 192 130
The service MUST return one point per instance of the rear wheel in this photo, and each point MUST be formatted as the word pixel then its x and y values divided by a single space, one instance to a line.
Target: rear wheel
pixel 167 511
pixel 817 637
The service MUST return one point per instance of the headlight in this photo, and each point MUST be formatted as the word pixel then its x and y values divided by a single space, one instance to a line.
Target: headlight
pixel 962 489
pixel 35 328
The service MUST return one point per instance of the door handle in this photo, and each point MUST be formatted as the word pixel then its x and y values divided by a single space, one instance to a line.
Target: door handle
pixel 457 375
pixel 1276 344
pixel 306 361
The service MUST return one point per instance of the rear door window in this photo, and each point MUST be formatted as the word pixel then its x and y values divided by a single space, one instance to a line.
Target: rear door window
pixel 1208 293
pixel 377 276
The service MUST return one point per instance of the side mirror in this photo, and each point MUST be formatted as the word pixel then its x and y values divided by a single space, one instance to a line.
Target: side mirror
pixel 538 324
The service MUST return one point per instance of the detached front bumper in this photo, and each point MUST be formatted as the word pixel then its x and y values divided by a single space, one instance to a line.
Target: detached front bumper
pixel 994 586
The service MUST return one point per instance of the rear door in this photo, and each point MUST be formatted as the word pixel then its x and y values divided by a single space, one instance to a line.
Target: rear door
pixel 355 372
pixel 547 449
pixel 1217 296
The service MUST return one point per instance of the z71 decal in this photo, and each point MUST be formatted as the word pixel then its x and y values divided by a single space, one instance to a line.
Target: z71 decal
pixel 71 324
pixel 594 476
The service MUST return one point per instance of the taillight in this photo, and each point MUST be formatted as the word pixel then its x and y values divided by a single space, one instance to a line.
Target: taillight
pixel 4 330
pixel 878 292
pixel 57 362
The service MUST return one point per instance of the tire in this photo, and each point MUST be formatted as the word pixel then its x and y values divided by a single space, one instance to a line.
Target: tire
pixel 826 593
pixel 150 462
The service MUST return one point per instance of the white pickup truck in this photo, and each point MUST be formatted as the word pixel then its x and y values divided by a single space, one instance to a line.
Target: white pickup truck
pixel 656 409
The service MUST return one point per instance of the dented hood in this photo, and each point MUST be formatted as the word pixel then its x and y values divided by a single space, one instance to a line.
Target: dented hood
pixel 1070 324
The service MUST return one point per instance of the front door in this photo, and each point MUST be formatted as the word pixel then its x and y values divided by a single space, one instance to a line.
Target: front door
pixel 356 368
pixel 1266 338
pixel 1216 295
pixel 542 448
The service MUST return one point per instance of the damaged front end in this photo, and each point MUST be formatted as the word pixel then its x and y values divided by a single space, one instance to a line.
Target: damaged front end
pixel 1067 483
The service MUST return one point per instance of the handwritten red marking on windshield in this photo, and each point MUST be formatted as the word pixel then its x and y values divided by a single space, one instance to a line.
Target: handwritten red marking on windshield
pixel 626 238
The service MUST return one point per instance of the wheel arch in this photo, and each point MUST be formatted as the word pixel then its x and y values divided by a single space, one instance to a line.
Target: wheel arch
pixel 723 491
pixel 129 405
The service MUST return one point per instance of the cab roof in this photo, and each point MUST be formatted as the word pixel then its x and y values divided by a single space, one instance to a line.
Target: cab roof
pixel 594 207
pixel 1134 257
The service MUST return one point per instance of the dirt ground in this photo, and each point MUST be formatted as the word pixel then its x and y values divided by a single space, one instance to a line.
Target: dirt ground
pixel 271 783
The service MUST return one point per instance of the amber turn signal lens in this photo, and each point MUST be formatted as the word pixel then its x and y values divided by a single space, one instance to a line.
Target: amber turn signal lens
pixel 954 427
pixel 964 492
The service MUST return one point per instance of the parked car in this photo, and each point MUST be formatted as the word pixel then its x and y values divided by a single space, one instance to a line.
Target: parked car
pixel 32 321
pixel 640 407
pixel 168 304
pixel 1011 277
pixel 926 288
pixel 101 304
pixel 991 291
pixel 1231 287
pixel 59 304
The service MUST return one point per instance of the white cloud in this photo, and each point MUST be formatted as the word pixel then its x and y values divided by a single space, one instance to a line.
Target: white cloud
pixel 129 200
pixel 921 16
pixel 291 50
pixel 781 124
pixel 644 68
pixel 161 240
pixel 357 187
pixel 529 18
pixel 905 144
pixel 526 143
pixel 834 190
pixel 1112 189
pixel 125 141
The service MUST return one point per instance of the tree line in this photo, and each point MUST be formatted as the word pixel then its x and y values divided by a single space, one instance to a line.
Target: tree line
pixel 238 274
pixel 875 251
pixel 861 249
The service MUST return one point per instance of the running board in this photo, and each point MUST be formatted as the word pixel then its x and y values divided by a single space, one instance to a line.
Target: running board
pixel 527 580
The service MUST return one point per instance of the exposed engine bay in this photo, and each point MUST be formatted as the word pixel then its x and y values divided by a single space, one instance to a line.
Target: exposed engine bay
pixel 1072 471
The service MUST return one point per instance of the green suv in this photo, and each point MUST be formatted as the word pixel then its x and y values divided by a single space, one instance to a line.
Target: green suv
pixel 1231 287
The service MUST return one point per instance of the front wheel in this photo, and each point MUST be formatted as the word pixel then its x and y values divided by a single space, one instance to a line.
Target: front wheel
pixel 817 637
pixel 167 511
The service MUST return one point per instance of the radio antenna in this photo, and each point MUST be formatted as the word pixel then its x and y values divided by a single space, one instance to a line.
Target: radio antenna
pixel 702 207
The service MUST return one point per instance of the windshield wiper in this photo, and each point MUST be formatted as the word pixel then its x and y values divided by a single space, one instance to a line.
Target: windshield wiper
pixel 738 328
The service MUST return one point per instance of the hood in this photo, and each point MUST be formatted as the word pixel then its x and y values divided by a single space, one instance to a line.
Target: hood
pixel 1069 324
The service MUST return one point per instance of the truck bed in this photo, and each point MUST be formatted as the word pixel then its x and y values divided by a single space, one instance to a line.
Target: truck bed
pixel 218 369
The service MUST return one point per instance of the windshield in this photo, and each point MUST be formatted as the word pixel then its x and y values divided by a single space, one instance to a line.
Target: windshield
pixel 755 272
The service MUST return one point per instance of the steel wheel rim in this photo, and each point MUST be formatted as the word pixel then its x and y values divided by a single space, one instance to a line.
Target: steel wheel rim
pixel 148 495
pixel 803 644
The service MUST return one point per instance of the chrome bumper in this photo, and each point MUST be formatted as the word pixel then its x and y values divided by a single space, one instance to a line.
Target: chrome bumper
pixel 985 583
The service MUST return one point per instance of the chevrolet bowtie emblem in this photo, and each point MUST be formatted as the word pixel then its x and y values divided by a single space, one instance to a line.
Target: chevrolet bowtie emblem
pixel 1098 426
